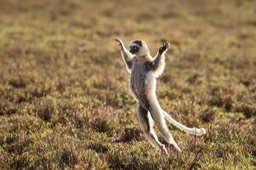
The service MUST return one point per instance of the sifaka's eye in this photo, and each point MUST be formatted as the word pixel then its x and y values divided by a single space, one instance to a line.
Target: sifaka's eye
pixel 134 49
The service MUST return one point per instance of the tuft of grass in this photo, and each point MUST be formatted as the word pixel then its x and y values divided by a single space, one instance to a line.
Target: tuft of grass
pixel 249 110
pixel 46 109
pixel 68 158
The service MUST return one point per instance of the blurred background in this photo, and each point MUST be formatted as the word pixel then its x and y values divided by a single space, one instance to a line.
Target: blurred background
pixel 64 99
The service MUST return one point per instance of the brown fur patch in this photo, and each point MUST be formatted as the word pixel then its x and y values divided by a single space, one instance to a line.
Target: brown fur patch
pixel 139 42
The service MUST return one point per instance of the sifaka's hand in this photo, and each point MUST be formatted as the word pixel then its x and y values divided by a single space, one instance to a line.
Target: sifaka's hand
pixel 120 43
pixel 164 47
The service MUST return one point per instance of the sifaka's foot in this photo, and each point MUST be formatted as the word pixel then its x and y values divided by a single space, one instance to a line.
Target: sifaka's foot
pixel 177 147
pixel 163 149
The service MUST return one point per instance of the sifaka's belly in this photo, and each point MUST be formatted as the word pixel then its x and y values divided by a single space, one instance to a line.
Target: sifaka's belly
pixel 137 82
pixel 139 87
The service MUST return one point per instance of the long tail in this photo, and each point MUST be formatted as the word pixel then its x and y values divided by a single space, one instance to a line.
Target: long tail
pixel 193 131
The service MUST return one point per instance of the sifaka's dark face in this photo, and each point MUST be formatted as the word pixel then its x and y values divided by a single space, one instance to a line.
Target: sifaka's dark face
pixel 135 46
pixel 134 49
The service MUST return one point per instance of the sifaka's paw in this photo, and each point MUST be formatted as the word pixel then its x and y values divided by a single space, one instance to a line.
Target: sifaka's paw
pixel 120 43
pixel 164 47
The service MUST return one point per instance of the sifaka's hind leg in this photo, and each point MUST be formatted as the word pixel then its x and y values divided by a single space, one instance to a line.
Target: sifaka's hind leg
pixel 147 125
pixel 158 117
pixel 193 131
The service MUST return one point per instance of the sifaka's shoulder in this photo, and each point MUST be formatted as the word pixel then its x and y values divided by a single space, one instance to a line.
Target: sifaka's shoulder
pixel 143 59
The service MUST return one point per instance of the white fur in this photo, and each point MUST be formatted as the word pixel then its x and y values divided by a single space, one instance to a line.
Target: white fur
pixel 130 58
pixel 193 131
pixel 156 115
pixel 156 111
pixel 161 66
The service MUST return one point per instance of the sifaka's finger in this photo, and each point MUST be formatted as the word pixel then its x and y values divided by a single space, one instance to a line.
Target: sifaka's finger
pixel 118 40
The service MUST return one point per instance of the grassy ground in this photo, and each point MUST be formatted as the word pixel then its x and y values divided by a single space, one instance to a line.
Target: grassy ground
pixel 64 101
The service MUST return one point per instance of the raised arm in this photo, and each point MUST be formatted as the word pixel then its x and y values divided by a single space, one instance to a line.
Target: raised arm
pixel 126 55
pixel 158 63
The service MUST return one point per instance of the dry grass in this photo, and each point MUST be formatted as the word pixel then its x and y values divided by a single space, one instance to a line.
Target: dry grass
pixel 64 102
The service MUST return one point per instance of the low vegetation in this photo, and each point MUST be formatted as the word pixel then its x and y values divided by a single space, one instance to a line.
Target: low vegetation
pixel 64 101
